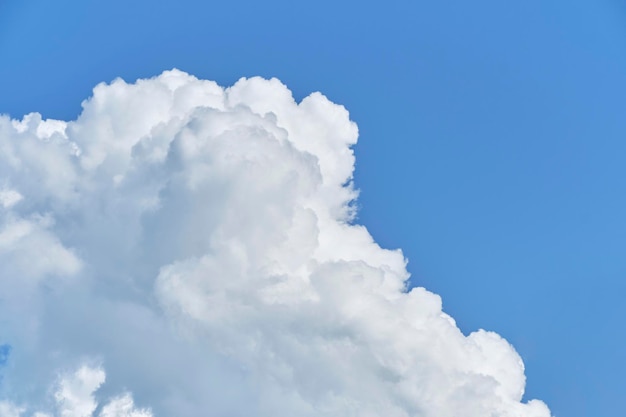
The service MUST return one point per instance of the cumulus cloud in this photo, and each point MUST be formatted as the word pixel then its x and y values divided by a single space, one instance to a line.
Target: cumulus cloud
pixel 200 243
pixel 74 397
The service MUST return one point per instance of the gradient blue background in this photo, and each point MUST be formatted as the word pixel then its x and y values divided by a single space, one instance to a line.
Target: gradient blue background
pixel 492 148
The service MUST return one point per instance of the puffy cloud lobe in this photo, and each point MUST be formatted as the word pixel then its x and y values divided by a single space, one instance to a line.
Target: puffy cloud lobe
pixel 74 397
pixel 200 241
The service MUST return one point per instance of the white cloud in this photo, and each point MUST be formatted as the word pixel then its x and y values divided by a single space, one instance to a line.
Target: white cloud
pixel 198 240
pixel 74 397
pixel 10 410
pixel 9 197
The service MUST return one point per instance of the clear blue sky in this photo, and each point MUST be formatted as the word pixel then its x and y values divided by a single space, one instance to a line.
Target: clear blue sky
pixel 492 147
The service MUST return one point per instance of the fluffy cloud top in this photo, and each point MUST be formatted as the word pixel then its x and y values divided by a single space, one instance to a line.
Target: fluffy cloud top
pixel 198 242
pixel 74 397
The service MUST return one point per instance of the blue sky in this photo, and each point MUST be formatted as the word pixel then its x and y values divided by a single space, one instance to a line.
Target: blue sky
pixel 491 149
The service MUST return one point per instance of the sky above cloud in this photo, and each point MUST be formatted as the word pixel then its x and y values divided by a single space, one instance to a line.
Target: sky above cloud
pixel 196 246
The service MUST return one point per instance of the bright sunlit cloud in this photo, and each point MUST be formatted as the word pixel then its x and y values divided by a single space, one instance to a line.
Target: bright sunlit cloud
pixel 198 244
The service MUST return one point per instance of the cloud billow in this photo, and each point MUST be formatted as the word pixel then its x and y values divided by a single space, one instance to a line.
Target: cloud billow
pixel 198 243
